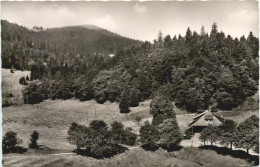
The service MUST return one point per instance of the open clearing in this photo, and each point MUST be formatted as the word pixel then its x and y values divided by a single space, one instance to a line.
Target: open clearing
pixel 53 118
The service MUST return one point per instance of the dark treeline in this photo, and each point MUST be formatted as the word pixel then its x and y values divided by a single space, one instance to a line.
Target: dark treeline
pixel 196 71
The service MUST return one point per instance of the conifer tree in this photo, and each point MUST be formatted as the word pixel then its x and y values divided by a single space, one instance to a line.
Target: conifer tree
pixel 169 134
pixel 149 136
pixel 160 39
pixel 214 30
pixel 124 103
pixel 34 138
pixel 188 35
pixel 202 31
pixel 134 98
pixel 161 108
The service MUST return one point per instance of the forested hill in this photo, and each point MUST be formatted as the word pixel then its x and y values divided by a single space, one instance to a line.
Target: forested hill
pixel 196 71
pixel 87 44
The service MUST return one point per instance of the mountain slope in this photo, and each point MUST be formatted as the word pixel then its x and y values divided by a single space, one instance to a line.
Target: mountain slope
pixel 22 47
pixel 196 71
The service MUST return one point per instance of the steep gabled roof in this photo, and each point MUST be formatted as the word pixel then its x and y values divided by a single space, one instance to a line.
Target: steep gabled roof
pixel 206 118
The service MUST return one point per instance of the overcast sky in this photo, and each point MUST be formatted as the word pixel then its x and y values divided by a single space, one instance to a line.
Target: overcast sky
pixel 138 20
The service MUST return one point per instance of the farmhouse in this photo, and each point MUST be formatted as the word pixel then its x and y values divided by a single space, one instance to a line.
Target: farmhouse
pixel 204 119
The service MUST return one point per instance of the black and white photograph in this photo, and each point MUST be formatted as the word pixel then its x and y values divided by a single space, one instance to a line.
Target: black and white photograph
pixel 130 83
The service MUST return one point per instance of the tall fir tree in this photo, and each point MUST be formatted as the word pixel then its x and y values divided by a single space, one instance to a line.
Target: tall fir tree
pixel 124 103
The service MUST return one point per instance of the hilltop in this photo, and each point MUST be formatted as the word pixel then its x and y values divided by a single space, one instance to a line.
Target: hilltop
pixel 87 44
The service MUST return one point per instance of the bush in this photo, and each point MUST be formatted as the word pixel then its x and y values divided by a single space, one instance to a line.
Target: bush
pixel 86 92
pixel 161 108
pixel 138 119
pixel 247 134
pixel 10 142
pixel 124 103
pixel 95 141
pixel 22 81
pixel 34 138
pixel 210 133
pixel 134 98
pixel 121 135
pixel 117 130
pixel 129 138
pixel 169 134
pixel 188 133
pixel 149 137
pixel 32 94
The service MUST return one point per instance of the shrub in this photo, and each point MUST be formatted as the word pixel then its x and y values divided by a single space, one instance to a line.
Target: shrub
pixel 161 108
pixel 138 119
pixel 34 138
pixel 188 133
pixel 86 92
pixel 22 81
pixel 129 138
pixel 247 133
pixel 134 98
pixel 117 130
pixel 121 135
pixel 149 137
pixel 228 132
pixel 95 141
pixel 32 94
pixel 124 104
pixel 210 133
pixel 169 134
pixel 76 135
pixel 10 142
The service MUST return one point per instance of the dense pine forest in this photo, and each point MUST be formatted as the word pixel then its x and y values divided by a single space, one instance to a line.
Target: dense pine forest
pixel 196 71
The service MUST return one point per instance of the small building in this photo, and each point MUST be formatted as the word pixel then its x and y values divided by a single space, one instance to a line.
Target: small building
pixel 205 119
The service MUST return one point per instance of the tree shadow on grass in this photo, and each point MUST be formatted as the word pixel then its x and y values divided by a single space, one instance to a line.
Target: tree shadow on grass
pixel 253 159
pixel 150 147
pixel 17 149
pixel 173 148
pixel 153 147
pixel 43 149
pixel 105 153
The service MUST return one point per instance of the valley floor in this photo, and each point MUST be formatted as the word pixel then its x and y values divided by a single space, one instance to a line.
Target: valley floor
pixel 53 118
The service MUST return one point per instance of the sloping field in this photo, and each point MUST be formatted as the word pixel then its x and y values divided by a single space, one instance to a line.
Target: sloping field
pixel 53 118
pixel 10 84
pixel 133 158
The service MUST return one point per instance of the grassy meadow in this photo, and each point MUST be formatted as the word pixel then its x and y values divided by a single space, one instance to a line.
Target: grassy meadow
pixel 52 119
